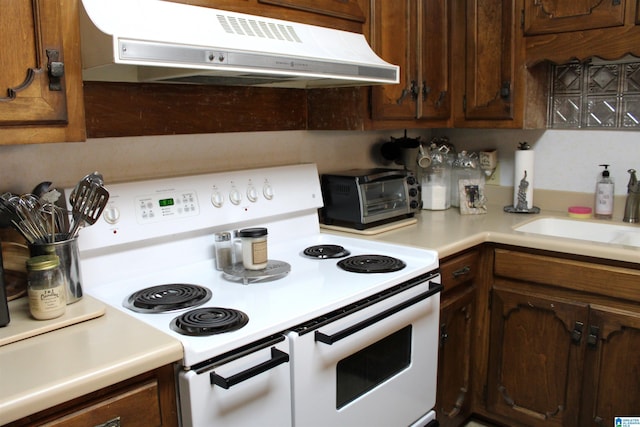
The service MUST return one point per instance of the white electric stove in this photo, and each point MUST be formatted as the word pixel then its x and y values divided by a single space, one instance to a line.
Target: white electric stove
pixel 161 233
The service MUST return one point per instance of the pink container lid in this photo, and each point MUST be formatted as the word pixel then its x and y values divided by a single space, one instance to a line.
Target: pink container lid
pixel 580 211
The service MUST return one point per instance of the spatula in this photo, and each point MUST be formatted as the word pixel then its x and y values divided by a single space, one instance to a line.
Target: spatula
pixel 90 200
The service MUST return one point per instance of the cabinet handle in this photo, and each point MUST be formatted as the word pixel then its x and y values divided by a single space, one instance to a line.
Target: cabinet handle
pixel 412 90
pixel 56 69
pixel 111 423
pixel 505 90
pixel 441 98
pixel 426 90
pixel 592 338
pixel 444 336
pixel 457 408
pixel 576 334
pixel 461 272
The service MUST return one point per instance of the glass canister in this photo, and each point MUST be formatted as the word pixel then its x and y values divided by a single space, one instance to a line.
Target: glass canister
pixel 254 248
pixel 465 166
pixel 436 180
pixel 46 287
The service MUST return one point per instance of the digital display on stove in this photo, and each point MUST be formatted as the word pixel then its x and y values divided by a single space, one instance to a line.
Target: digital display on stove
pixel 166 202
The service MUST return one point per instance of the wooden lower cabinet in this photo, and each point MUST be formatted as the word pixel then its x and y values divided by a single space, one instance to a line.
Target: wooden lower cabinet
pixel 144 401
pixel 563 351
pixel 453 402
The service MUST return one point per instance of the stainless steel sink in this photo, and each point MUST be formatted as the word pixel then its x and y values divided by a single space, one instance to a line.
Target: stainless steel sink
pixel 594 231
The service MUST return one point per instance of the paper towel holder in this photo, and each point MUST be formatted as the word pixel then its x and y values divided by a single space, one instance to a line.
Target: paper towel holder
pixel 522 206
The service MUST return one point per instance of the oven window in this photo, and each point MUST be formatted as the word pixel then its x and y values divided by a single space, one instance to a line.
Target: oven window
pixel 364 370
pixel 384 196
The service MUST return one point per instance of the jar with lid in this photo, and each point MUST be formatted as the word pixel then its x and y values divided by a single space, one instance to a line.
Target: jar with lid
pixel 46 287
pixel 436 180
pixel 254 248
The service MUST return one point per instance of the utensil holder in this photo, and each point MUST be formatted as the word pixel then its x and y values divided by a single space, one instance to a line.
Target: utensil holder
pixel 67 251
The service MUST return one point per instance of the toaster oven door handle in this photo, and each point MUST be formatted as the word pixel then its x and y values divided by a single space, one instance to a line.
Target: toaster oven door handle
pixel 278 357
pixel 388 174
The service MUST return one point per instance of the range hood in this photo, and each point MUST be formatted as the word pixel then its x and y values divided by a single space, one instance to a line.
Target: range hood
pixel 162 41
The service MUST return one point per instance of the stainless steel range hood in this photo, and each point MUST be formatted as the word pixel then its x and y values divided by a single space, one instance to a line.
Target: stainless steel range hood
pixel 161 41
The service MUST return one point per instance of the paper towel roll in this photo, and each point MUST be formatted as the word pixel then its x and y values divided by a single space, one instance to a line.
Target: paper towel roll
pixel 523 180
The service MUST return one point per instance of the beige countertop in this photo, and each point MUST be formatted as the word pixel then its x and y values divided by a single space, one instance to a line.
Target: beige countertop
pixel 449 232
pixel 39 372
pixel 42 371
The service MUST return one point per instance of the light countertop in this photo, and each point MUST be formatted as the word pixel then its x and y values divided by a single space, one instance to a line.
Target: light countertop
pixel 40 372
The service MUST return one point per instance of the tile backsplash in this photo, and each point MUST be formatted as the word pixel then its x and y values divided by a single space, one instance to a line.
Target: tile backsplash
pixel 595 95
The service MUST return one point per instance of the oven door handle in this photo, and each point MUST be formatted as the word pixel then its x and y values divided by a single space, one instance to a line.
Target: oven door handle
pixel 331 339
pixel 278 357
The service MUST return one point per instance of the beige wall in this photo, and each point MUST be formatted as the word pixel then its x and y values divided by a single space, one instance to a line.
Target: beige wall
pixel 122 159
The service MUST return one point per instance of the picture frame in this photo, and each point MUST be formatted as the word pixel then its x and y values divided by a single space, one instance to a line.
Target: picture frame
pixel 472 197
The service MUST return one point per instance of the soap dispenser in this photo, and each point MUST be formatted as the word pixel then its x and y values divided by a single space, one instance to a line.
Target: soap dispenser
pixel 604 195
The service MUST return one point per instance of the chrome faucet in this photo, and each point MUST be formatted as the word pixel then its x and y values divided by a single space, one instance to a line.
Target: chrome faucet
pixel 632 206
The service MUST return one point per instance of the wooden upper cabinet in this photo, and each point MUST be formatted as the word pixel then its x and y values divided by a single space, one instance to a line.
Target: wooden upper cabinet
pixel 556 16
pixel 41 87
pixel 413 34
pixel 489 70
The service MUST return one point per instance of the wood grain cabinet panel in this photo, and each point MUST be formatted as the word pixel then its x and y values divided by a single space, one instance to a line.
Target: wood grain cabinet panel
pixel 556 16
pixel 40 83
pixel 457 327
pixel 413 34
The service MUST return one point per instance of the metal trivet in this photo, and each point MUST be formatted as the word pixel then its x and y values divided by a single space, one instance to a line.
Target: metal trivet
pixel 169 297
pixel 209 321
pixel 512 209
pixel 371 264
pixel 273 270
pixel 326 251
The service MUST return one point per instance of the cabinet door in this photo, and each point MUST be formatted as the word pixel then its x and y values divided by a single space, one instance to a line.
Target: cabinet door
pixel 454 359
pixel 40 86
pixel 394 37
pixel 556 16
pixel 490 60
pixel 415 35
pixel 612 366
pixel 536 357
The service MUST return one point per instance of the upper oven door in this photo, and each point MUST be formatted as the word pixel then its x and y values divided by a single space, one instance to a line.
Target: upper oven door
pixel 374 367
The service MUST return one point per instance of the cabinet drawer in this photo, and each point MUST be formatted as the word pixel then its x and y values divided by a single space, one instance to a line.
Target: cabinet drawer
pixel 600 279
pixel 460 269
pixel 136 406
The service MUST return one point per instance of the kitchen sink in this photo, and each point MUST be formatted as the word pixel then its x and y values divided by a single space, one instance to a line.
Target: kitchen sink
pixel 603 232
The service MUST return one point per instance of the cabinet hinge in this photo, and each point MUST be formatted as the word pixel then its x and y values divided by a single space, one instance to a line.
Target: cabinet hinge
pixel 522 19
pixel 490 301
pixel 464 103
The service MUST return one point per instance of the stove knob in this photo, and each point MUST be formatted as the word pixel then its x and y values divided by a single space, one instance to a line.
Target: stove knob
pixel 217 200
pixel 111 214
pixel 235 196
pixel 414 204
pixel 413 192
pixel 252 194
pixel 411 180
pixel 267 190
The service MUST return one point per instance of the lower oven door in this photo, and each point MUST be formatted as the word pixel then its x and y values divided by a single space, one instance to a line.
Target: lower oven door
pixel 248 387
pixel 373 366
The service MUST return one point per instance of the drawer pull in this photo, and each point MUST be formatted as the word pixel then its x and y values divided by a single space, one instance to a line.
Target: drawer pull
pixel 461 272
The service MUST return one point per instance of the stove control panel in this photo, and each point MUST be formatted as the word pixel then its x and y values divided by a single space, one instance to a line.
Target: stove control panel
pixel 157 207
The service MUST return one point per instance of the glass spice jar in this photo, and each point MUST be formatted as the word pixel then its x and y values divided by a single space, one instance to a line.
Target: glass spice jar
pixel 46 288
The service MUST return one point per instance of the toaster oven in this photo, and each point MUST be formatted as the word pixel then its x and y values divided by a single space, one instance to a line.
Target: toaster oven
pixel 363 198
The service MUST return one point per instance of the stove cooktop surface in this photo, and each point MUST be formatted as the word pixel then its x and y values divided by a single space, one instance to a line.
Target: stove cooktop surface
pixel 312 287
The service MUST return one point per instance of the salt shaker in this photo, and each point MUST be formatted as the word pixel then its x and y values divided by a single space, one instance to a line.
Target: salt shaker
pixel 46 287
pixel 223 250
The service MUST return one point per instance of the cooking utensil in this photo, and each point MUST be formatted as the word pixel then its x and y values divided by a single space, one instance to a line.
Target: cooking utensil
pixel 90 199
